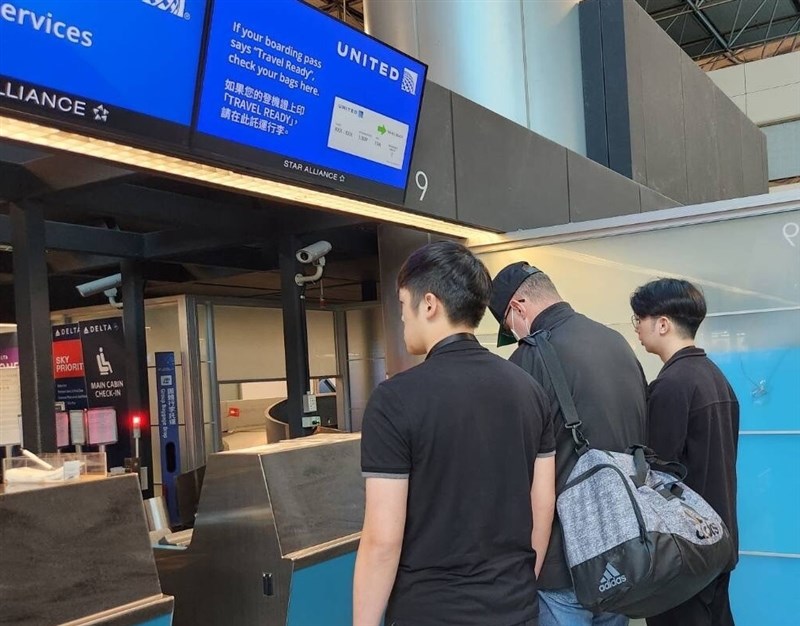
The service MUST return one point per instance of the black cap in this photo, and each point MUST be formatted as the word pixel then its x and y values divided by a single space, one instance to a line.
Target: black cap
pixel 504 286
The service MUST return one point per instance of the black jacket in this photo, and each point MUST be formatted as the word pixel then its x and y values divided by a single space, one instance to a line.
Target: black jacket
pixel 609 390
pixel 693 418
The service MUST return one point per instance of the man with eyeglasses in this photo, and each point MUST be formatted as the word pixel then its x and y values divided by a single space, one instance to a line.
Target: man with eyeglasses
pixel 607 385
pixel 693 418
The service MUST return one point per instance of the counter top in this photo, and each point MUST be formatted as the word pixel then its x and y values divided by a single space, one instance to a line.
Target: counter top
pixel 73 549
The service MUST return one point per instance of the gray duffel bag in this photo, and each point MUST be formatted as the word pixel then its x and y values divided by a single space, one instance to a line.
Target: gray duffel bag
pixel 637 540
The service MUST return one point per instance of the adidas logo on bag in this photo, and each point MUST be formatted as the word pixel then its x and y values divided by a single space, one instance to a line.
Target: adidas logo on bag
pixel 611 578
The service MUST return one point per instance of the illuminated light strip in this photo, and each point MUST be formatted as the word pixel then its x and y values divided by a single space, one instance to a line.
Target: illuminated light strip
pixel 140 159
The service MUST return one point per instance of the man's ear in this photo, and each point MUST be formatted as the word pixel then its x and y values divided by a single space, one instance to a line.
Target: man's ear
pixel 430 305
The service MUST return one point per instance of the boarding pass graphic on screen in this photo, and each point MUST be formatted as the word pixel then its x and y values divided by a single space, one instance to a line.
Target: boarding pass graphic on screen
pixel 364 133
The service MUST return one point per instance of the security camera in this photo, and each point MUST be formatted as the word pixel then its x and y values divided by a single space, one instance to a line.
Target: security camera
pixel 314 252
pixel 107 286
pixel 101 285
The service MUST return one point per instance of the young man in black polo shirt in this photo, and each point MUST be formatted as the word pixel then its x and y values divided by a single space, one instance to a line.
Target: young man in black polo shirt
pixel 693 418
pixel 607 385
pixel 458 455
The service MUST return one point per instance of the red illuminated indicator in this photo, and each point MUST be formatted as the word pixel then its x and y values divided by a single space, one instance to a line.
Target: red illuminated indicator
pixel 137 421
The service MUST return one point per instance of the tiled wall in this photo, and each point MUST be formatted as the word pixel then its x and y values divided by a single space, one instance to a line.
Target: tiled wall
pixel 767 91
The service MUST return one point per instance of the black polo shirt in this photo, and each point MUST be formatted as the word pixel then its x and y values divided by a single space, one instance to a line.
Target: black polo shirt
pixel 693 418
pixel 609 390
pixel 464 427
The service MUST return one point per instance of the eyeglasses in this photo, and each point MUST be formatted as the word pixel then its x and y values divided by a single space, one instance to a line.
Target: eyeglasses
pixel 636 320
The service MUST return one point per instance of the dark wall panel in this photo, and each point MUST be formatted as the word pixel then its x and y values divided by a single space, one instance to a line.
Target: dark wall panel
pixel 615 72
pixel 507 177
pixel 433 157
pixel 594 97
pixel 667 135
pixel 633 44
pixel 663 104
pixel 730 146
pixel 700 121
pixel 595 192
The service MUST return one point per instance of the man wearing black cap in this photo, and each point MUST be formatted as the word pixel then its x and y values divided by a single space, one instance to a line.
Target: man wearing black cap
pixel 609 390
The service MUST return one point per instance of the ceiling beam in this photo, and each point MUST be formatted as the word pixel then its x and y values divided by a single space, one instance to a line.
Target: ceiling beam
pixel 173 243
pixel 246 259
pixel 681 9
pixel 87 239
pixel 169 208
pixel 61 236
pixel 17 183
pixel 708 25
pixel 130 201
pixel 64 171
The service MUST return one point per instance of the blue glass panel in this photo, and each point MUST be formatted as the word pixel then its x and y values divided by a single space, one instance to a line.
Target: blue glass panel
pixel 769 493
pixel 776 405
pixel 764 591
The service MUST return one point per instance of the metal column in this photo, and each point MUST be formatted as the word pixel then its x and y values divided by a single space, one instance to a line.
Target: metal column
pixel 295 337
pixel 33 328
pixel 213 380
pixel 194 455
pixel 138 395
pixel 343 405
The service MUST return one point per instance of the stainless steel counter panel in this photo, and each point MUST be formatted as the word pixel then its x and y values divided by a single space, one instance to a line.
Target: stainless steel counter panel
pixel 73 550
pixel 313 493
pixel 267 510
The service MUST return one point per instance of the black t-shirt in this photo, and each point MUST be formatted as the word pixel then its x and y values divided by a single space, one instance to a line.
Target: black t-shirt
pixel 693 418
pixel 464 428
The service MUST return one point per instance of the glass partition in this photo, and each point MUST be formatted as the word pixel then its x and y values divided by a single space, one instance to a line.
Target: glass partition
pixel 749 269
pixel 250 373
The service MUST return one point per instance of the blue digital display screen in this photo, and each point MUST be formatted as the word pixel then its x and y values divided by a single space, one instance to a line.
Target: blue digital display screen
pixel 288 89
pixel 128 65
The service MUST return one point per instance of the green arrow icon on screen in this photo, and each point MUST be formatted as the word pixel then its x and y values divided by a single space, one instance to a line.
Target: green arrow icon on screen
pixel 382 129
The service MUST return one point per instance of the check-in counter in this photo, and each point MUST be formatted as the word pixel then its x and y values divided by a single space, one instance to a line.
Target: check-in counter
pixel 274 539
pixel 78 554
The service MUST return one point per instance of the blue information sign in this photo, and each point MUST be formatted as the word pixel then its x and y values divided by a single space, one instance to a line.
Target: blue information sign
pixel 168 433
pixel 288 89
pixel 120 65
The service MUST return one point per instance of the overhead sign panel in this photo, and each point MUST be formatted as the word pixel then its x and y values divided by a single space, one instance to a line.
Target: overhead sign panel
pixel 121 65
pixel 289 90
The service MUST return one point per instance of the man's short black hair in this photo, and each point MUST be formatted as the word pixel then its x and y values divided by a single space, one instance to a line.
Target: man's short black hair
pixel 674 298
pixel 453 274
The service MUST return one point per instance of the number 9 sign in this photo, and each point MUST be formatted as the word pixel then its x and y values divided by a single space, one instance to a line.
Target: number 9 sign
pixel 790 232
pixel 421 178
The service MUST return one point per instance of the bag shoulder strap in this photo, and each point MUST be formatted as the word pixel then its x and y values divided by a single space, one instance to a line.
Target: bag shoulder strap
pixel 540 340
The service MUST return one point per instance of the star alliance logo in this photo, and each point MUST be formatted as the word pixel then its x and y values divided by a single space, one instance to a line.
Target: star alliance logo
pixel 175 7
pixel 100 113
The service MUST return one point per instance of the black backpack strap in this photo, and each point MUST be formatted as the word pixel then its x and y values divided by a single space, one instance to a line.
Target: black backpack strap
pixel 541 341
